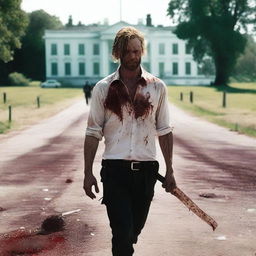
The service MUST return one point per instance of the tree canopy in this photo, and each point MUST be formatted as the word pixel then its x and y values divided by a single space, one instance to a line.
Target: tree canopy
pixel 214 28
pixel 13 22
pixel 30 59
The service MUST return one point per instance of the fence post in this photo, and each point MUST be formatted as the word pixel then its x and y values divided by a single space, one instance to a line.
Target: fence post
pixel 181 96
pixel 38 101
pixel 191 97
pixel 4 97
pixel 224 100
pixel 10 113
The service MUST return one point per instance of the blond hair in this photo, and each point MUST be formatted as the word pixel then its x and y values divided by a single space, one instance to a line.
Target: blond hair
pixel 121 41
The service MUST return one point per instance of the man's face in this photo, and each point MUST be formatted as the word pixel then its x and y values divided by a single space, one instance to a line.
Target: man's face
pixel 132 56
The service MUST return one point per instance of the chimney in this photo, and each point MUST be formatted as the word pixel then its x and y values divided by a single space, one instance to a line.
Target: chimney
pixel 149 21
pixel 70 22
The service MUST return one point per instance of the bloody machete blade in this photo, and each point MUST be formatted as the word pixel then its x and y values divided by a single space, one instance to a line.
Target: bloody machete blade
pixel 191 205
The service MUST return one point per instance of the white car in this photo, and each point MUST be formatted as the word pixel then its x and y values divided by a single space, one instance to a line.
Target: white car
pixel 51 83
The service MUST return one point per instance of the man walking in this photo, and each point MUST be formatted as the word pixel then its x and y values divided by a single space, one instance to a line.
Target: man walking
pixel 87 92
pixel 128 108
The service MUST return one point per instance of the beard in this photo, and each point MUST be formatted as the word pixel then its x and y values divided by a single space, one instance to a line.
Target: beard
pixel 131 65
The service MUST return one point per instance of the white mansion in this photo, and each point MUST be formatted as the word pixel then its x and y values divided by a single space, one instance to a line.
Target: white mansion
pixel 79 54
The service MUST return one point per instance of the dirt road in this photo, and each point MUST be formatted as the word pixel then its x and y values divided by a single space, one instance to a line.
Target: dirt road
pixel 41 175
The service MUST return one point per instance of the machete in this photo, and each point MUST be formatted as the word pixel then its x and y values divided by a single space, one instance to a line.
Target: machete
pixel 191 205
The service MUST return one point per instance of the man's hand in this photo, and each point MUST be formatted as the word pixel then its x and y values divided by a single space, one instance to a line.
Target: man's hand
pixel 89 182
pixel 169 184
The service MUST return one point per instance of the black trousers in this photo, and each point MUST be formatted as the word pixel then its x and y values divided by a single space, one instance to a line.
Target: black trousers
pixel 127 195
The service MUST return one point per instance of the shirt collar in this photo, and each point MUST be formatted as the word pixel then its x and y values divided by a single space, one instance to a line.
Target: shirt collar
pixel 144 79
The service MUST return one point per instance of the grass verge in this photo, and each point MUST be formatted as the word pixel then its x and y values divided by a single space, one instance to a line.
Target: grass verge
pixel 25 110
pixel 239 113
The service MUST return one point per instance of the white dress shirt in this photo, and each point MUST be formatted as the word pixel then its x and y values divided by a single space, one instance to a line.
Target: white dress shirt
pixel 129 136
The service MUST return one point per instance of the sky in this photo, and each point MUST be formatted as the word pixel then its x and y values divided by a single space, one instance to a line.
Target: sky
pixel 94 11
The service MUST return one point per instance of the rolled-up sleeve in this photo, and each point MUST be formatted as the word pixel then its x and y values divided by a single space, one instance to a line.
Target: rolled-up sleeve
pixel 163 125
pixel 96 115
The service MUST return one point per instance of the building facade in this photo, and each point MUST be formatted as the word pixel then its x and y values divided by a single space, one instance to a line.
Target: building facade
pixel 77 55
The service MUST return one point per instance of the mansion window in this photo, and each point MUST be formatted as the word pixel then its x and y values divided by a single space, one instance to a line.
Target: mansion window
pixel 110 44
pixel 148 49
pixel 175 68
pixel 175 48
pixel 187 49
pixel 113 66
pixel 96 68
pixel 188 68
pixel 146 65
pixel 67 68
pixel 66 49
pixel 81 68
pixel 161 69
pixel 161 49
pixel 81 49
pixel 96 49
pixel 54 68
pixel 54 49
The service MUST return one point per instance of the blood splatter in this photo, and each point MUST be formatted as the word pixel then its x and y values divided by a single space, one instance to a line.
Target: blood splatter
pixel 142 82
pixel 146 140
pixel 142 106
pixel 117 98
pixel 69 180
pixel 28 243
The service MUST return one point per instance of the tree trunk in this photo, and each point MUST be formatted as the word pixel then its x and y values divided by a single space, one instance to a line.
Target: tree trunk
pixel 220 78
pixel 222 68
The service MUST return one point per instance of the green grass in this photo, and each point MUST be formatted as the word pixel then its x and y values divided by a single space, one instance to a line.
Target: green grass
pixel 26 96
pixel 239 113
pixel 24 104
pixel 4 126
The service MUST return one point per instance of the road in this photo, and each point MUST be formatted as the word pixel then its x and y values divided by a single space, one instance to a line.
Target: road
pixel 42 171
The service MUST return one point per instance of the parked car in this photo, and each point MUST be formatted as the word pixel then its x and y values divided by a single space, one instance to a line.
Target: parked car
pixel 51 83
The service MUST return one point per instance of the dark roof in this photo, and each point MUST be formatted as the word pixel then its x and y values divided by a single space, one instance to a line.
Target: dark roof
pixel 97 27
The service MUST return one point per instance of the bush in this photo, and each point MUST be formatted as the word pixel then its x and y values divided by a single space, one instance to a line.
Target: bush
pixel 18 79
pixel 35 83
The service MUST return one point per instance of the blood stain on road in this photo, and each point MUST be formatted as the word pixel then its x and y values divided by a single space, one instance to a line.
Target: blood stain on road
pixel 22 242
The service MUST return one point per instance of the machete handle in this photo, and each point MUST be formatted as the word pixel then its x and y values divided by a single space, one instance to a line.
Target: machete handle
pixel 160 177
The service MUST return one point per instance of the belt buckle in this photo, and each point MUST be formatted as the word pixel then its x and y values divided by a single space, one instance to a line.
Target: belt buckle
pixel 132 166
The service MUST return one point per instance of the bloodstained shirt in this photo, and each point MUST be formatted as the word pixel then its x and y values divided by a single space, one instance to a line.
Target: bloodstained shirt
pixel 129 126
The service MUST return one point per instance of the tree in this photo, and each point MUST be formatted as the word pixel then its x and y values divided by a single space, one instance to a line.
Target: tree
pixel 245 68
pixel 214 28
pixel 13 22
pixel 30 59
